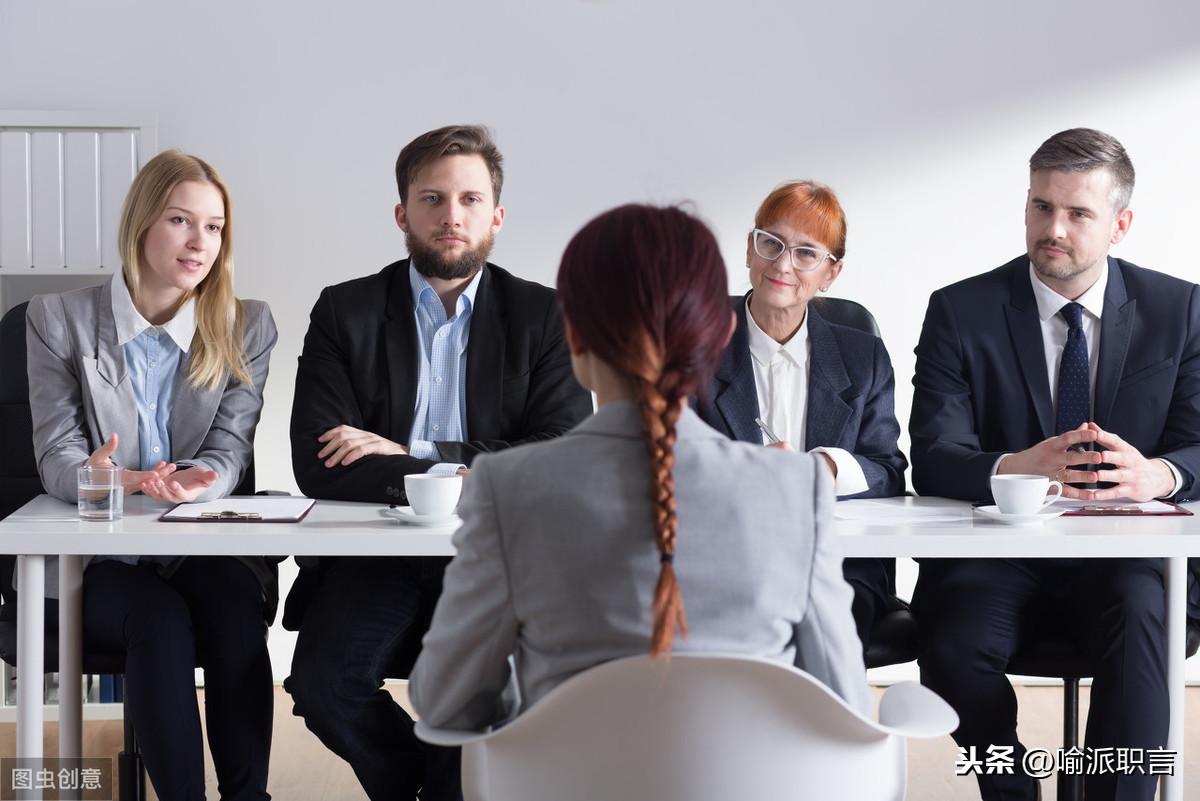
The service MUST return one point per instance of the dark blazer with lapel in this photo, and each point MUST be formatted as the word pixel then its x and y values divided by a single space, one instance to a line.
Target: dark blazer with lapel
pixel 359 368
pixel 981 387
pixel 851 404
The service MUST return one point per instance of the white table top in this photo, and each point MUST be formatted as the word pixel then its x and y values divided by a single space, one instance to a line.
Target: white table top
pixel 921 527
pixel 957 531
pixel 332 528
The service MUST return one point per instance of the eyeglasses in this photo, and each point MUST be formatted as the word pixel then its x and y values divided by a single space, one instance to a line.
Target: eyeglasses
pixel 805 259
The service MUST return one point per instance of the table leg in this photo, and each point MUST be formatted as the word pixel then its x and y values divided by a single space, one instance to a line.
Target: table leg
pixel 70 657
pixel 31 614
pixel 1176 575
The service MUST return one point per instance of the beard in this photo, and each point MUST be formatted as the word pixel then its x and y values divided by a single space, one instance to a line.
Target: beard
pixel 1059 272
pixel 431 263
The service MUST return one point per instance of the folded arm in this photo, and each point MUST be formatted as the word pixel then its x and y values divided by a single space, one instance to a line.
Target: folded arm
pixel 324 400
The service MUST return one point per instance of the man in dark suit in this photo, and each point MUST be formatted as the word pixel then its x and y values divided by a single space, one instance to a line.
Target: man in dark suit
pixel 1069 364
pixel 416 369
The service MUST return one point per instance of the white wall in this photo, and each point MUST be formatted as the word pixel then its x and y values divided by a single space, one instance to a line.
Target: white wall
pixel 922 115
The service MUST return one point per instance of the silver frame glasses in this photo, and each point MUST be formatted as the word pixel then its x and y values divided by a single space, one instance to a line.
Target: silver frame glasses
pixel 790 250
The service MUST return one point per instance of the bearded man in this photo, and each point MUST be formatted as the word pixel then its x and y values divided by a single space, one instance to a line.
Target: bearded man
pixel 416 369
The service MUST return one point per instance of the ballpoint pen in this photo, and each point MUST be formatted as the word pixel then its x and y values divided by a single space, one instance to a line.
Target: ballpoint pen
pixel 772 439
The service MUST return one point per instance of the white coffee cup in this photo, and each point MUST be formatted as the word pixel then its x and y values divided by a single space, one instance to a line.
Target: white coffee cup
pixel 1024 495
pixel 432 495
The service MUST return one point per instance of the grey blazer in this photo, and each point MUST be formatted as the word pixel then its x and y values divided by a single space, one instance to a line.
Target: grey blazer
pixel 80 392
pixel 556 565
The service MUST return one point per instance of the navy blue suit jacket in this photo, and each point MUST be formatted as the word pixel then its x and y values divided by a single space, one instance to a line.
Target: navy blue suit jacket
pixel 851 398
pixel 981 387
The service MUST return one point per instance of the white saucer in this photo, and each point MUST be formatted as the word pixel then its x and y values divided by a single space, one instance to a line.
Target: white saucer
pixel 405 514
pixel 1035 519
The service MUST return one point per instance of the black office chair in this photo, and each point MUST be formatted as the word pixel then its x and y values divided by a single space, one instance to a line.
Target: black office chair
pixel 19 484
pixel 1055 656
pixel 893 636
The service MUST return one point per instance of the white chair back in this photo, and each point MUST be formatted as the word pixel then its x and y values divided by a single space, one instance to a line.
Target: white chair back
pixel 697 728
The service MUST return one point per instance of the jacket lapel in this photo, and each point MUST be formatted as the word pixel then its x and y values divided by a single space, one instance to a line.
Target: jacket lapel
pixel 400 343
pixel 826 413
pixel 112 397
pixel 485 362
pixel 1025 329
pixel 192 413
pixel 735 395
pixel 1116 331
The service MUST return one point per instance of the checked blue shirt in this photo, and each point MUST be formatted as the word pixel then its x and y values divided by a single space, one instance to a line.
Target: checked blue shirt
pixel 441 410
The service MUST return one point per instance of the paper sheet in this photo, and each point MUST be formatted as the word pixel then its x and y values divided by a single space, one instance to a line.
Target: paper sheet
pixel 269 508
pixel 892 511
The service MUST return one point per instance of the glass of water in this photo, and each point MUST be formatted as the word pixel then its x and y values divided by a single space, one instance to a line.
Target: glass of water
pixel 101 493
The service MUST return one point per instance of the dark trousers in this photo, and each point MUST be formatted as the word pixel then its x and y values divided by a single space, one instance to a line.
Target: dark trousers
pixel 363 624
pixel 209 612
pixel 873 596
pixel 974 615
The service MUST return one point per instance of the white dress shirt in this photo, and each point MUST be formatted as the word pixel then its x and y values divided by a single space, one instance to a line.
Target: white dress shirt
pixel 781 383
pixel 1054 339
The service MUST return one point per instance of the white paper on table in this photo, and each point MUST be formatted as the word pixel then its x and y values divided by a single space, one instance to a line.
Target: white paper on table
pixel 886 512
pixel 270 508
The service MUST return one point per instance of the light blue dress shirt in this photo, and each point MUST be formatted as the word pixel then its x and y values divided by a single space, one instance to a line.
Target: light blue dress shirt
pixel 153 358
pixel 441 410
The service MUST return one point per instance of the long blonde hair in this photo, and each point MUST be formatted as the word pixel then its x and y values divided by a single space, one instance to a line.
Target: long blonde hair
pixel 216 351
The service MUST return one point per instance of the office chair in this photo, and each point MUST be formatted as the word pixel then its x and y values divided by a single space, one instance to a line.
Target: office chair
pixel 699 727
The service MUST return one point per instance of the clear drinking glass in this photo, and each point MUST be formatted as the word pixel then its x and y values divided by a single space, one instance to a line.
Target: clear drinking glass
pixel 101 493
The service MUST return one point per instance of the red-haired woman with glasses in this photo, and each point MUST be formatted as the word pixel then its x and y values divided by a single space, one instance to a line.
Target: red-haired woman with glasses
pixel 791 378
pixel 590 547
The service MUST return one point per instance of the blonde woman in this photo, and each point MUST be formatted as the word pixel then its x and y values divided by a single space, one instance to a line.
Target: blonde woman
pixel 161 371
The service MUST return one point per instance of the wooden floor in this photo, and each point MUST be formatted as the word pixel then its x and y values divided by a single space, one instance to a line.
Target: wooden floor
pixel 302 770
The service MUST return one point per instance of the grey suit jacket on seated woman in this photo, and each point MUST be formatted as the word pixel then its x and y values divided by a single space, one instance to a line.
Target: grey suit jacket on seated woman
pixel 80 392
pixel 557 565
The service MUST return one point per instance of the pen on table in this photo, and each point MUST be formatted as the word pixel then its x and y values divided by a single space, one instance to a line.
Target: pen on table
pixel 771 437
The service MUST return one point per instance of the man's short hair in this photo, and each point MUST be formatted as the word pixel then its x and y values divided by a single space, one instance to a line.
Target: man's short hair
pixel 1084 149
pixel 453 140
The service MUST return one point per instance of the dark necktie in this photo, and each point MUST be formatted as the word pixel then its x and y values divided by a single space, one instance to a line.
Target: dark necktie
pixel 1073 393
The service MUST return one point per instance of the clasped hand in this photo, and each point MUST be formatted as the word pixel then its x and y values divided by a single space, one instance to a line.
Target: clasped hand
pixel 1136 477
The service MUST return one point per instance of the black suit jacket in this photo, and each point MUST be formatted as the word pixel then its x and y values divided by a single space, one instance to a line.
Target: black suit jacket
pixel 359 367
pixel 982 390
pixel 981 387
pixel 851 390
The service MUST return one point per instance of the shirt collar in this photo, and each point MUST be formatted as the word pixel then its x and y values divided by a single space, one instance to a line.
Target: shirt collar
pixel 1049 302
pixel 466 300
pixel 763 348
pixel 130 322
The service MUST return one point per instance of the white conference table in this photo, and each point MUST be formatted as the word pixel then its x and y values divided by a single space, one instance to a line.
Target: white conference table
pixel 909 527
